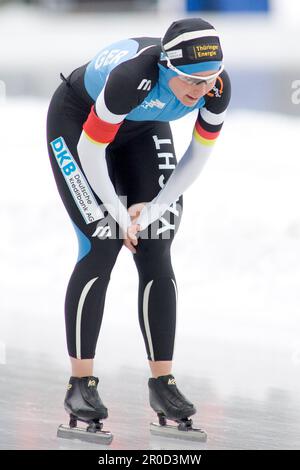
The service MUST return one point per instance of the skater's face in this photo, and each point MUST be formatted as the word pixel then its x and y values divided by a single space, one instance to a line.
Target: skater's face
pixel 189 93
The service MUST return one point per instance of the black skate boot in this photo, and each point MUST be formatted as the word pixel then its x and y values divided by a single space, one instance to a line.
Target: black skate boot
pixel 82 403
pixel 169 403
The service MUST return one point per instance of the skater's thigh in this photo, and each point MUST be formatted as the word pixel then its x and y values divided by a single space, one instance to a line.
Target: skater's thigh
pixel 64 127
pixel 145 161
pixel 63 132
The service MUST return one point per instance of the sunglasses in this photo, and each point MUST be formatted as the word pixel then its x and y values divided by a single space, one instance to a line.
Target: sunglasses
pixel 192 79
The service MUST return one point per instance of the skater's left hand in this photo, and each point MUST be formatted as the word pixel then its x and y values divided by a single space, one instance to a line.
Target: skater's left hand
pixel 131 240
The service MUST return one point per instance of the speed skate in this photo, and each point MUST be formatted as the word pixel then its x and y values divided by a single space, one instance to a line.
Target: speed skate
pixel 183 430
pixel 170 404
pixel 83 403
pixel 93 433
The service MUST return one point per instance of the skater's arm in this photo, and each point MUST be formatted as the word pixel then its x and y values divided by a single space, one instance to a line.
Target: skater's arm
pixel 95 137
pixel 207 128
pixel 95 167
pixel 101 127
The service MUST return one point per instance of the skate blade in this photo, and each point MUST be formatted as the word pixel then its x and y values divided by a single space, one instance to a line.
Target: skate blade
pixel 193 434
pixel 99 437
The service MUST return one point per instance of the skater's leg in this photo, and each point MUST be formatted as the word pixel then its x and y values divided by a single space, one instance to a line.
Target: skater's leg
pixel 159 368
pixel 85 299
pixel 157 300
pixel 82 367
pixel 157 303
pixel 99 245
pixel 145 164
pixel 98 249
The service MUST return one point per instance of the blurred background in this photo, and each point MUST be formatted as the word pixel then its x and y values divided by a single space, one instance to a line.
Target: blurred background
pixel 236 256
pixel 259 36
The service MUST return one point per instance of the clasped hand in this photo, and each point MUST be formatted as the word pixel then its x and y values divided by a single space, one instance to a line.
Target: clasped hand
pixel 131 240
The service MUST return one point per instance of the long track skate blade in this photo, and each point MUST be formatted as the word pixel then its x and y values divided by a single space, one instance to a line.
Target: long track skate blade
pixel 99 437
pixel 193 434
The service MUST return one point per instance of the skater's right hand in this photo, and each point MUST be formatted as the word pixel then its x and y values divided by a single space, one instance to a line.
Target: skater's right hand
pixel 130 240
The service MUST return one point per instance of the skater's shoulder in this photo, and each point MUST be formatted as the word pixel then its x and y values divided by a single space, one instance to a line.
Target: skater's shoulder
pixel 144 61
pixel 148 46
pixel 218 98
pixel 139 73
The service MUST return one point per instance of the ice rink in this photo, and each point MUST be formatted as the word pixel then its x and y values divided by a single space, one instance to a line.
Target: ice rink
pixel 236 258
